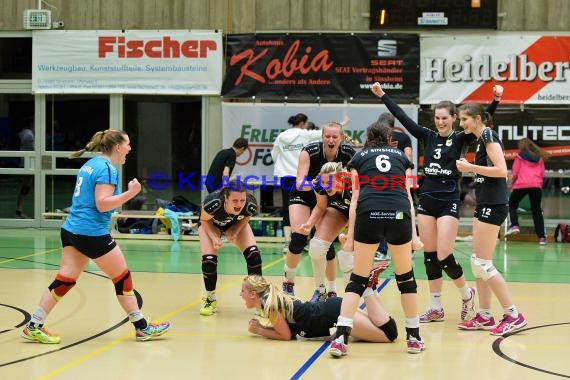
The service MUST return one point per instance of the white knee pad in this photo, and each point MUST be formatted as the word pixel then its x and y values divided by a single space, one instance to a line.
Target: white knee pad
pixel 345 260
pixel 318 248
pixel 483 269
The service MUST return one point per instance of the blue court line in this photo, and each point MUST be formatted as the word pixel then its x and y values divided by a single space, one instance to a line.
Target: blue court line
pixel 326 344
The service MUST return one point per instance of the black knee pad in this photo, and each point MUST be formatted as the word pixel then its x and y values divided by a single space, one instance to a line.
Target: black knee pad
pixel 433 267
pixel 451 267
pixel 298 242
pixel 60 286
pixel 407 282
pixel 357 284
pixel 390 329
pixel 124 284
pixel 331 253
pixel 253 260
pixel 210 271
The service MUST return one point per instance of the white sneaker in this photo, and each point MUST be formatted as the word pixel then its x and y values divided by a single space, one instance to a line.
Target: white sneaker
pixel 379 256
pixel 513 231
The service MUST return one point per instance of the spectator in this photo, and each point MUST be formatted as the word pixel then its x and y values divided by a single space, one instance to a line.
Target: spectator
pixel 223 164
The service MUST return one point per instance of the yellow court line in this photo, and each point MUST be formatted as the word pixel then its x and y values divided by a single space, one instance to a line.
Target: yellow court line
pixel 30 255
pixel 112 344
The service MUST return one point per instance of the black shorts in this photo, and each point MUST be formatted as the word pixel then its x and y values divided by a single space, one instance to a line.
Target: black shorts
pixel 369 229
pixel 491 214
pixel 305 198
pixel 437 207
pixel 91 246
pixel 343 209
pixel 318 322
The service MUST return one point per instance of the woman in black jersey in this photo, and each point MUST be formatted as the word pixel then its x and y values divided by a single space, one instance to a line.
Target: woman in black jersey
pixel 226 211
pixel 379 208
pixel 439 200
pixel 302 199
pixel 491 211
pixel 330 217
pixel 283 317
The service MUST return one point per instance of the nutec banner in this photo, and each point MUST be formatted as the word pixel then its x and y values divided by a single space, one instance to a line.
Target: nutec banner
pixel 177 62
pixel 533 69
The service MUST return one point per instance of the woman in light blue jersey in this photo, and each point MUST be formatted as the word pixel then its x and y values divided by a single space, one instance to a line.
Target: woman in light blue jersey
pixel 85 236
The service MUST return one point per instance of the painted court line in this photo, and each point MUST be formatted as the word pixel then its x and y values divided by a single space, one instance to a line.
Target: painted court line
pixel 170 314
pixel 326 344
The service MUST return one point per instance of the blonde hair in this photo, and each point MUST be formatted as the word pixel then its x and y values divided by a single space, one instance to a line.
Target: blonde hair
pixel 277 301
pixel 345 136
pixel 332 168
pixel 102 141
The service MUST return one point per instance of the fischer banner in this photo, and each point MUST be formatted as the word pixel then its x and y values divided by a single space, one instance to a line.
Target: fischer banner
pixel 261 123
pixel 323 66
pixel 533 69
pixel 178 62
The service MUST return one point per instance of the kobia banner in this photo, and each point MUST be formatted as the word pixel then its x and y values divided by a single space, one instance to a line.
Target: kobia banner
pixel 323 66
pixel 533 69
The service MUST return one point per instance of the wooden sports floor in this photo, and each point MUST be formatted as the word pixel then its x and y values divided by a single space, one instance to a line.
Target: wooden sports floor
pixel 98 342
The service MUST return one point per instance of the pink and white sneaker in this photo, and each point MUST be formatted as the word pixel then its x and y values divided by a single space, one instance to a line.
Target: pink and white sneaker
pixel 509 324
pixel 477 323
pixel 432 316
pixel 338 348
pixel 415 346
pixel 468 306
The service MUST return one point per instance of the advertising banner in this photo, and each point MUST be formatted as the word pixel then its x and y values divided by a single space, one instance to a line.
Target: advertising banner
pixel 179 62
pixel 261 123
pixel 324 66
pixel 533 69
pixel 548 128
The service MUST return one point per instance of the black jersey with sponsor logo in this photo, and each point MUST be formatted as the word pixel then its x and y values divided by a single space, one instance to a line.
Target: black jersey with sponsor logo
pixel 440 153
pixel 214 205
pixel 318 159
pixel 489 190
pixel 383 179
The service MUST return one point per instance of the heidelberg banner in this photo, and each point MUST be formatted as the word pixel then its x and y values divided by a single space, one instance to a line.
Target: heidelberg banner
pixel 323 66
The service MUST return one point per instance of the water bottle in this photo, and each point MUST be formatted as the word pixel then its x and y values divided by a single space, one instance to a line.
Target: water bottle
pixel 270 230
pixel 279 231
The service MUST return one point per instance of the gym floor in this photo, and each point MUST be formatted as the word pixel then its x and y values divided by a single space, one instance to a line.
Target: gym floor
pixel 98 342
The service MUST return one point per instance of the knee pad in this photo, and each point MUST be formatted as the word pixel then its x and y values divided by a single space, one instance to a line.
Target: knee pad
pixel 451 267
pixel 124 284
pixel 390 329
pixel 253 260
pixel 60 286
pixel 318 248
pixel 407 282
pixel 298 242
pixel 210 271
pixel 357 284
pixel 345 261
pixel 483 269
pixel 433 268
